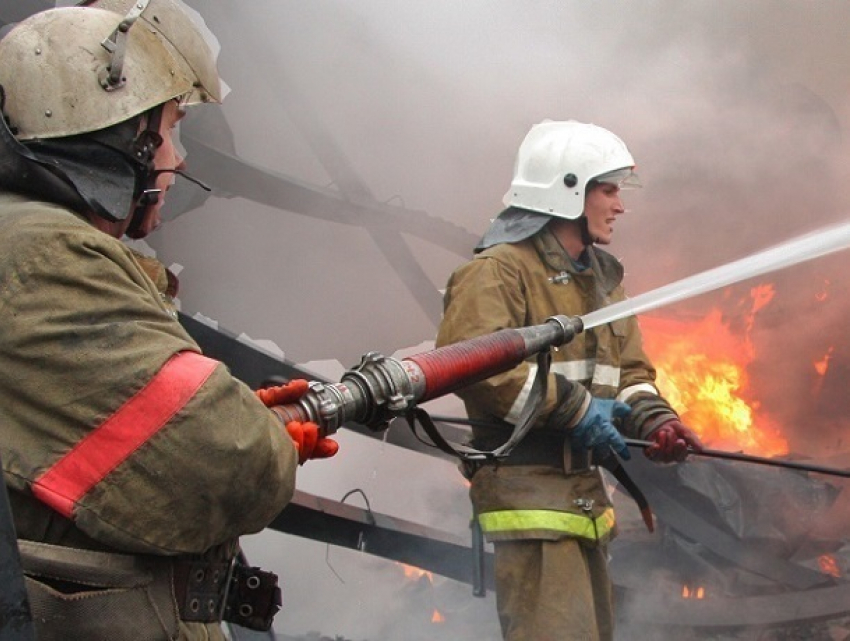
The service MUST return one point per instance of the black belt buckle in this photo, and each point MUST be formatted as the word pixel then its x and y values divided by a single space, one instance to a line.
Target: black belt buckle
pixel 253 599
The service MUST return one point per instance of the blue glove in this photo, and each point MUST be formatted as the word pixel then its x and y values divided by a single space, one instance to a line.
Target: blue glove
pixel 595 431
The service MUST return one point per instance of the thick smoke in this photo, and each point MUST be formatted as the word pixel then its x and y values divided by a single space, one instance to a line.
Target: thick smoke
pixel 737 116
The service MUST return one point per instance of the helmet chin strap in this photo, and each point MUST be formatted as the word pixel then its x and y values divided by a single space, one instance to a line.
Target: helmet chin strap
pixel 151 195
pixel 146 144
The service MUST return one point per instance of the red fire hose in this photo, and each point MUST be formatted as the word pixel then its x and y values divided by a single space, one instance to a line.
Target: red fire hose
pixel 381 387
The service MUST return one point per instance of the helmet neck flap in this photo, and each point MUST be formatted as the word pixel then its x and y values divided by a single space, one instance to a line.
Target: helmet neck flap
pixel 72 138
pixel 103 172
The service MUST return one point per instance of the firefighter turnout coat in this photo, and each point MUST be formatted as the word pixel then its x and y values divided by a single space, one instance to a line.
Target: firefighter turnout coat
pixel 535 494
pixel 118 434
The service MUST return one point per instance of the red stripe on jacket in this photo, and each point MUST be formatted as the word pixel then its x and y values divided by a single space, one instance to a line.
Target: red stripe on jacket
pixel 130 427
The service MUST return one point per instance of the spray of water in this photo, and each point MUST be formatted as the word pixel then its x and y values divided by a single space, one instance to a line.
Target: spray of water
pixel 813 245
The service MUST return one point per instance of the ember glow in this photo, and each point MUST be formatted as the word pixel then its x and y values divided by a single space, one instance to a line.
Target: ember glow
pixel 823 364
pixel 829 565
pixel 702 371
pixel 415 573
pixel 693 593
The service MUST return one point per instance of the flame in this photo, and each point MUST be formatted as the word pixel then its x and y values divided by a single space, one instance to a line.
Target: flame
pixel 437 617
pixel 823 364
pixel 693 593
pixel 761 295
pixel 702 371
pixel 824 294
pixel 412 572
pixel 829 565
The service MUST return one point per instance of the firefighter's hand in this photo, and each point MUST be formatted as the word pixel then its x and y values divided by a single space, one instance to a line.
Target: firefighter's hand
pixel 595 431
pixel 308 443
pixel 671 442
pixel 283 394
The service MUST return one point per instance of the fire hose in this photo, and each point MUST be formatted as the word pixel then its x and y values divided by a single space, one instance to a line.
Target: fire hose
pixel 380 388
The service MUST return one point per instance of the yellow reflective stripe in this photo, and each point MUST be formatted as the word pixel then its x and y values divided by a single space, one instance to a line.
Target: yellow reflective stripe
pixel 566 522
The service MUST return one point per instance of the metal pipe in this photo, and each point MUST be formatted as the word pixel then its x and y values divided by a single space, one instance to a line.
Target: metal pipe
pixel 748 458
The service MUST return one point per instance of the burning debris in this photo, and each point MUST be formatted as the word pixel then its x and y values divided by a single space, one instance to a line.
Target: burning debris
pixel 702 368
pixel 742 551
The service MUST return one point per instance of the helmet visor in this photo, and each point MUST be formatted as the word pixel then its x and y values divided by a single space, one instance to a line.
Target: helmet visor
pixel 624 178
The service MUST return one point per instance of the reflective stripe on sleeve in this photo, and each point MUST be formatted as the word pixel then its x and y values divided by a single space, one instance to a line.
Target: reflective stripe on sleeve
pixel 130 427
pixel 588 370
pixel 577 525
pixel 583 371
pixel 606 375
pixel 630 391
pixel 574 370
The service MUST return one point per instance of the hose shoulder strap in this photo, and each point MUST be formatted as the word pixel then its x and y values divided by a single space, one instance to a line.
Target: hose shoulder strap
pixel 529 414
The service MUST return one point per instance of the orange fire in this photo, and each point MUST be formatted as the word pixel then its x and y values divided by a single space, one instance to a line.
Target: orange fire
pixel 823 364
pixel 693 593
pixel 829 565
pixel 702 371
pixel 414 573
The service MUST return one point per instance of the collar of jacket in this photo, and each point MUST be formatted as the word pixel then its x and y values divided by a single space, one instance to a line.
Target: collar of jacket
pixel 607 269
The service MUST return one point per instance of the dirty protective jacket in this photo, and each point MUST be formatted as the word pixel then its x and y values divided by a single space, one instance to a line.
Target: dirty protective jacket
pixel 534 494
pixel 118 434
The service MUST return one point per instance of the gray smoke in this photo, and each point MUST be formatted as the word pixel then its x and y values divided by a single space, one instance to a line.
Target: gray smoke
pixel 736 113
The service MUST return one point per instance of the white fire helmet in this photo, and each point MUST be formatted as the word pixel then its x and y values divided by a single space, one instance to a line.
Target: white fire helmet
pixel 74 70
pixel 557 160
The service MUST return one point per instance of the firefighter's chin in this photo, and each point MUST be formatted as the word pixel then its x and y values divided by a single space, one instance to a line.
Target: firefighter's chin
pixel 150 222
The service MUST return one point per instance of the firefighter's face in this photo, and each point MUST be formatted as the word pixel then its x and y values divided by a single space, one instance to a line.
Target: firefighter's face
pixel 602 205
pixel 167 157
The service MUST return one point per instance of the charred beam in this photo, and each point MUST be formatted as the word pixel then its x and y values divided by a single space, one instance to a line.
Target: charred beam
pixel 773 610
pixel 348 526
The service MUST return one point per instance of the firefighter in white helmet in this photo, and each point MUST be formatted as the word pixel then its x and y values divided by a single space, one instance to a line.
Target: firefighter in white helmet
pixel 545 507
pixel 121 442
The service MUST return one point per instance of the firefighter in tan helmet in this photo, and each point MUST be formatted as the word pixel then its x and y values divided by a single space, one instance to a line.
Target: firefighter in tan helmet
pixel 545 507
pixel 121 443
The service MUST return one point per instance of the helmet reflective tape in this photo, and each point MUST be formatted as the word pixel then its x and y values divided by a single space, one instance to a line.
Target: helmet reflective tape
pixel 50 64
pixel 185 34
pixel 557 160
pixel 567 523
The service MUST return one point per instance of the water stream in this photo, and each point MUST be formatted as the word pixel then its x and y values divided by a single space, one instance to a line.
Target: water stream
pixel 798 250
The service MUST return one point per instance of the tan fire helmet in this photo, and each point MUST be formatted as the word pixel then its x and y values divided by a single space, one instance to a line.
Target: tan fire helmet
pixel 557 160
pixel 75 70
pixel 183 30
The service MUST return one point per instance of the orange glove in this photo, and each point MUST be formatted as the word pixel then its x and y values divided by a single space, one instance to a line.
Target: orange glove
pixel 306 434
pixel 307 441
pixel 283 394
